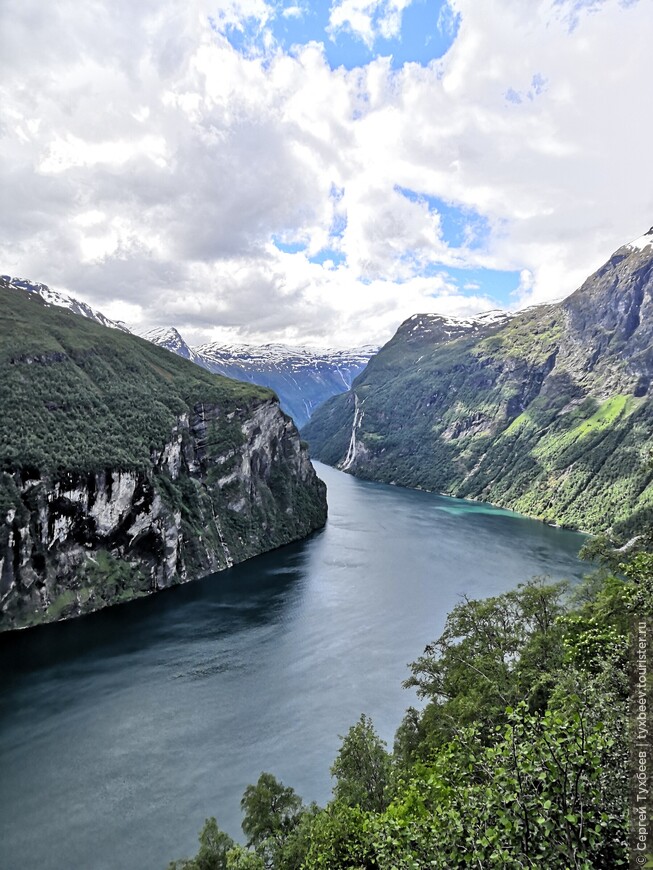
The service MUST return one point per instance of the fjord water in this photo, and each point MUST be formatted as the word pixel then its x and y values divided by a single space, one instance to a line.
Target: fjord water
pixel 121 731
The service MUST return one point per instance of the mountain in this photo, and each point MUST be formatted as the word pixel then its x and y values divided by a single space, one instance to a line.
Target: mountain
pixel 169 337
pixel 547 412
pixel 125 469
pixel 302 378
pixel 62 300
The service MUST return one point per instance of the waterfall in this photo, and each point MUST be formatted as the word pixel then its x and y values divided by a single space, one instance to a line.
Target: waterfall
pixel 348 461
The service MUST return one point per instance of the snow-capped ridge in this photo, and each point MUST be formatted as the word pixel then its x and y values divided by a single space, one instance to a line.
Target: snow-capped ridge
pixel 170 338
pixel 62 300
pixel 451 327
pixel 496 315
pixel 275 353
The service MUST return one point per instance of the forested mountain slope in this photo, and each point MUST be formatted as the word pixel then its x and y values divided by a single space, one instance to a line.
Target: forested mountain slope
pixel 548 412
pixel 125 469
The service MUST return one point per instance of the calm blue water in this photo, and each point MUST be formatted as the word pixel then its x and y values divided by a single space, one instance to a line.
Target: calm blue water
pixel 121 731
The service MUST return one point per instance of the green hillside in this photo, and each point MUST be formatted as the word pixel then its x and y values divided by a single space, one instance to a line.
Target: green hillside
pixel 79 396
pixel 125 469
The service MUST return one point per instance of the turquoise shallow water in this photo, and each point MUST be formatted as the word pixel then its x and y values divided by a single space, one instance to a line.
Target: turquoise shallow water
pixel 121 731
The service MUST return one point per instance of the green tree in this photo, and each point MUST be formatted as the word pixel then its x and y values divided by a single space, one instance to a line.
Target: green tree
pixel 296 845
pixel 339 839
pixel 272 811
pixel 492 653
pixel 239 858
pixel 212 854
pixel 536 795
pixel 362 768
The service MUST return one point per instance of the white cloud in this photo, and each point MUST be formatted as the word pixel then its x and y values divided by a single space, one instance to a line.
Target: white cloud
pixel 368 19
pixel 146 165
pixel 293 12
pixel 235 13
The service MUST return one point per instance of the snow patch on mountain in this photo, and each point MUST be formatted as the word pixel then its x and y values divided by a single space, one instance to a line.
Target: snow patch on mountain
pixel 284 356
pixel 169 338
pixel 496 315
pixel 447 327
pixel 643 242
pixel 302 377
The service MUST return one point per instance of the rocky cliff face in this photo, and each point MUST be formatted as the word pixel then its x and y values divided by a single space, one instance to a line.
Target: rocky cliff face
pixel 548 412
pixel 226 478
pixel 609 322
pixel 74 543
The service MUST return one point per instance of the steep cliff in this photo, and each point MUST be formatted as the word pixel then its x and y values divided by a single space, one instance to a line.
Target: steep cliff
pixel 548 412
pixel 125 469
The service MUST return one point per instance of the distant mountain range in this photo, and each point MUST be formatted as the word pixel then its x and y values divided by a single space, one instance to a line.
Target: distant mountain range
pixel 548 411
pixel 302 378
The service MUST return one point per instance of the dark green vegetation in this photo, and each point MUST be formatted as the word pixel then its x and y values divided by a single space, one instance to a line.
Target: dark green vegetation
pixel 124 469
pixel 78 396
pixel 548 413
pixel 519 757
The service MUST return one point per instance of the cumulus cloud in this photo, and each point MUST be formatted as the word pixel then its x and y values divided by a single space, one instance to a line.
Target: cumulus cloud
pixel 368 19
pixel 148 167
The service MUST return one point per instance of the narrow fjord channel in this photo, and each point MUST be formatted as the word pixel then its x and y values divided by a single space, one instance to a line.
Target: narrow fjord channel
pixel 121 731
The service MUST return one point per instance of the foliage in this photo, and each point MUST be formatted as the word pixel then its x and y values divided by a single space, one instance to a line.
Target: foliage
pixel 215 847
pixel 491 654
pixel 340 837
pixel 533 794
pixel 362 768
pixel 239 858
pixel 518 759
pixel 271 811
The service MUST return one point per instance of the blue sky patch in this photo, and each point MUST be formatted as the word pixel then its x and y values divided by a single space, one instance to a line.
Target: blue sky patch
pixel 497 284
pixel 337 257
pixel 460 225
pixel 288 247
pixel 326 254
pixel 428 29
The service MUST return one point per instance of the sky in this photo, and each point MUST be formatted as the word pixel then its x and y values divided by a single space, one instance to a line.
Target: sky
pixel 253 171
